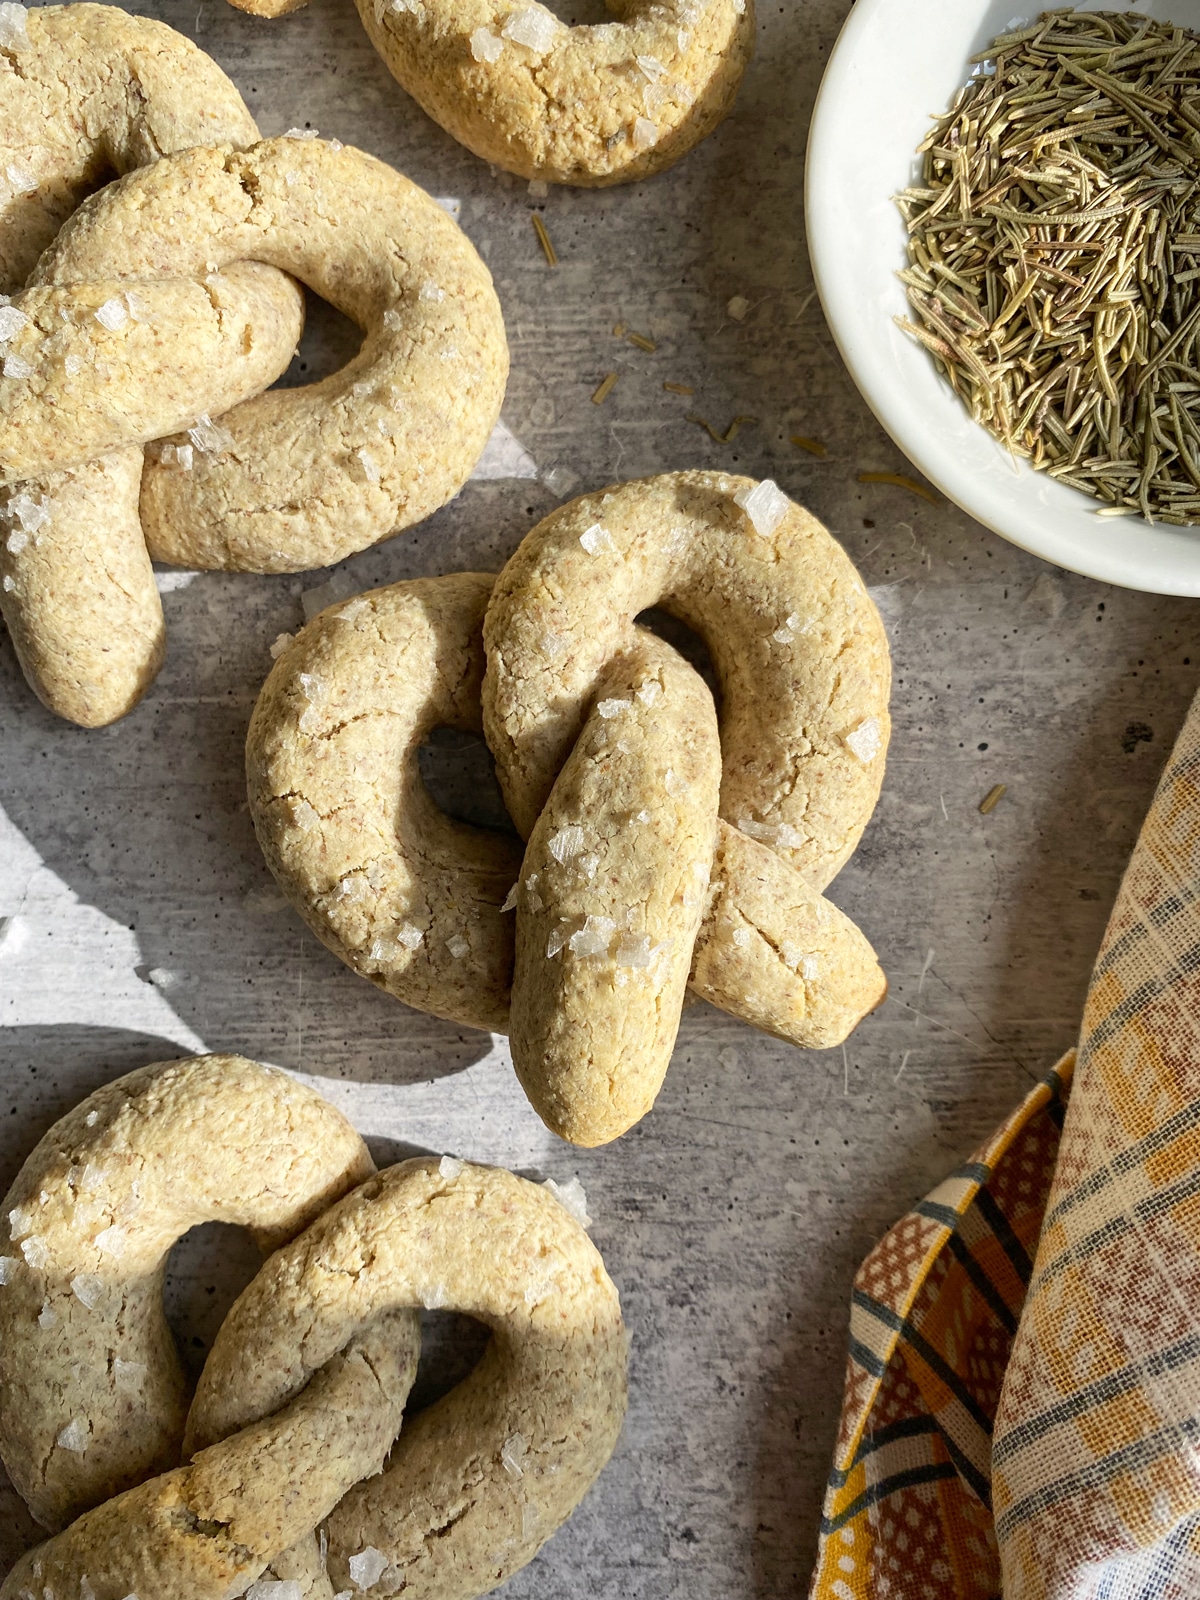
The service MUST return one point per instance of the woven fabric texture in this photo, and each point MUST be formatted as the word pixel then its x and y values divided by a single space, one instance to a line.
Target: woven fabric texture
pixel 1022 1405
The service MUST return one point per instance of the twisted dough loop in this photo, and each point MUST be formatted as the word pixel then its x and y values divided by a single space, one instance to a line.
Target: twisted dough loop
pixel 303 1393
pixel 295 478
pixel 413 901
pixel 589 105
pixel 449 1515
pixel 96 92
pixel 92 1217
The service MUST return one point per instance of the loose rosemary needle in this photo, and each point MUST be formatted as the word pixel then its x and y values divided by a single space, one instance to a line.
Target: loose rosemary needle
pixel 1054 254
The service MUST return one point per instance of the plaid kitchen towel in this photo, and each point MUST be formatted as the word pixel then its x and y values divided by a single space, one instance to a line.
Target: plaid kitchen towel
pixel 1022 1407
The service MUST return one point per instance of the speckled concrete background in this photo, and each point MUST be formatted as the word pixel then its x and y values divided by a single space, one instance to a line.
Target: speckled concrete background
pixel 734 1216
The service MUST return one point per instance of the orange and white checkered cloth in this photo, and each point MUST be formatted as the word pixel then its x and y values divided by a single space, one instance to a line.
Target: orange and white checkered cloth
pixel 1022 1408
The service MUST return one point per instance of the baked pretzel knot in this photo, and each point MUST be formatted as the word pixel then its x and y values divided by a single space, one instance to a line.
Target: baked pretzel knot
pixel 88 92
pixel 588 105
pixel 303 1394
pixel 661 853
pixel 163 300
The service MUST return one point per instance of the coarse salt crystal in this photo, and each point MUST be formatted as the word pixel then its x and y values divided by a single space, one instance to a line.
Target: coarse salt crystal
pixel 788 632
pixel 10 583
pixel 512 1453
pixel 86 1592
pixel 596 538
pixel 642 816
pixel 559 480
pixel 111 1241
pixel 47 1316
pixel 88 1289
pixel 392 319
pixel 36 1251
pixel 14 34
pixel 275 1589
pixel 558 937
pixel 633 950
pixel 765 504
pixel 486 45
pixel 92 1118
pixel 450 1167
pixel 588 865
pixel 674 784
pixel 301 133
pixel 113 314
pixel 510 899
pixel 739 7
pixel 409 935
pixel 75 1436
pixel 530 1519
pixel 16 367
pixel 808 967
pixel 613 708
pixel 738 307
pixel 566 843
pixel 20 1222
pixel 73 365
pixel 458 946
pixel 31 513
pixel 594 938
pixel 742 937
pixel 182 456
pixel 209 436
pixel 128 1374
pixel 354 610
pixel 866 740
pixel 369 465
pixel 571 1197
pixel 651 66
pixel 534 27
pixel 21 180
pixel 649 692
pixel 367 1567
pixel 280 644
pixel 17 541
pixel 431 293
pixel 8 1267
pixel 12 321
pixel 644 134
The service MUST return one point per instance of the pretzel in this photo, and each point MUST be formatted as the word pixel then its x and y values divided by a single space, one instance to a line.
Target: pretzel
pixel 304 1390
pixel 588 105
pixel 92 1217
pixel 290 479
pixel 86 91
pixel 415 902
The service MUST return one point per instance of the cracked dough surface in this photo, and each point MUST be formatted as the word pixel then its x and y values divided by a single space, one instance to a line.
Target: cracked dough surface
pixel 98 93
pixel 89 1223
pixel 588 105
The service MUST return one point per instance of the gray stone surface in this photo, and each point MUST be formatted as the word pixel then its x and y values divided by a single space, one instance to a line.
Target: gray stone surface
pixel 734 1216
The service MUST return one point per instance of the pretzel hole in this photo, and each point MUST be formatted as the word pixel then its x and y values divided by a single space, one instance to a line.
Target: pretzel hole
pixel 458 771
pixel 330 341
pixel 687 641
pixel 583 13
pixel 206 1271
pixel 452 1346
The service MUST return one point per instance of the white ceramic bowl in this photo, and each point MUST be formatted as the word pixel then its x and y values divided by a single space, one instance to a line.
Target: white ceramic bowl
pixel 896 64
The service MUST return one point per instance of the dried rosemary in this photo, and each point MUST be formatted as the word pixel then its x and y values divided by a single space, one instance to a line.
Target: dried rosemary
pixel 1054 248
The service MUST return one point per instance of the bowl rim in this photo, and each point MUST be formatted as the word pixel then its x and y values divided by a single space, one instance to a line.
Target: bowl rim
pixel 1051 523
